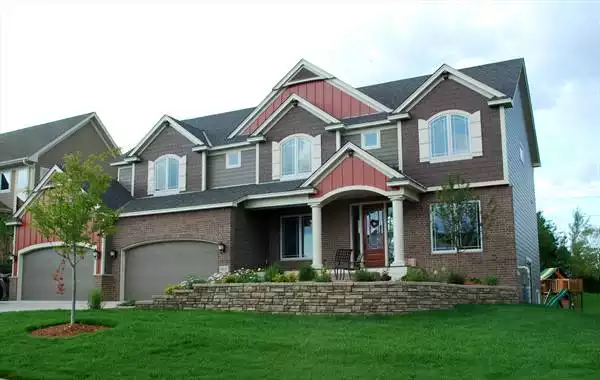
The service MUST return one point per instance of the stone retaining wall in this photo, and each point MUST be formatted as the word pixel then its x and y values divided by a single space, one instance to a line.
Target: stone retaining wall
pixel 333 298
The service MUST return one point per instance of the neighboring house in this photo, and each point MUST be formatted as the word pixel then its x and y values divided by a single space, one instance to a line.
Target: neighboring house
pixel 27 156
pixel 320 165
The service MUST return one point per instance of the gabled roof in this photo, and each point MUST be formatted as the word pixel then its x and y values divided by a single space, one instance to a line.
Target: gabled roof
pixel 502 76
pixel 114 197
pixel 23 143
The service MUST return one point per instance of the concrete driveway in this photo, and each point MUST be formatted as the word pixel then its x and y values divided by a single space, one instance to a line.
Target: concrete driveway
pixel 6 306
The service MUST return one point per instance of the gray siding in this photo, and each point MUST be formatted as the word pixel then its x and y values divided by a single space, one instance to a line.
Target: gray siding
pixel 296 120
pixel 303 74
pixel 8 197
pixel 450 95
pixel 124 176
pixel 86 141
pixel 218 175
pixel 169 141
pixel 520 176
pixel 388 153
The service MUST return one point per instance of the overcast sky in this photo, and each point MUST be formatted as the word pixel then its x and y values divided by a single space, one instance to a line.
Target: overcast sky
pixel 132 64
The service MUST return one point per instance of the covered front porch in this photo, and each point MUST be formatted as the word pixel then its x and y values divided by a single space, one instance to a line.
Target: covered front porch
pixel 357 204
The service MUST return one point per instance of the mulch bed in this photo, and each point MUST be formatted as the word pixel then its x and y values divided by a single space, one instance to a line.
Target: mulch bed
pixel 67 330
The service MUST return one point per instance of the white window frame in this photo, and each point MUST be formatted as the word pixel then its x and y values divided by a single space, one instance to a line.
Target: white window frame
pixel 8 175
pixel 450 156
pixel 167 191
pixel 363 139
pixel 228 164
pixel 451 251
pixel 296 175
pixel 18 172
pixel 298 217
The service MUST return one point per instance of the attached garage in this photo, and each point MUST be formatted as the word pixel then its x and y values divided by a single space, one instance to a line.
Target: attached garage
pixel 149 268
pixel 38 271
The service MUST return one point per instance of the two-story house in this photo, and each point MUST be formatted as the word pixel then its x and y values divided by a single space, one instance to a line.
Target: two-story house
pixel 27 156
pixel 319 165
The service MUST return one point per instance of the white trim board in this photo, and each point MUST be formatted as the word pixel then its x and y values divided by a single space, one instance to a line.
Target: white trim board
pixel 499 182
pixel 455 75
pixel 330 164
pixel 164 122
pixel 287 106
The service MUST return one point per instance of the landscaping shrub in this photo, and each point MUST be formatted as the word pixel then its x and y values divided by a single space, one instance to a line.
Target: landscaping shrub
pixel 288 277
pixel 95 299
pixel 491 281
pixel 238 276
pixel 363 275
pixel 271 272
pixel 456 278
pixel 307 273
pixel 415 274
pixel 438 275
pixel 5 267
pixel 169 289
pixel 189 281
pixel 323 275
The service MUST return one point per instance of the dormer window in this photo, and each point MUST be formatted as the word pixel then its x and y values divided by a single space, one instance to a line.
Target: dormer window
pixel 296 157
pixel 166 175
pixel 5 181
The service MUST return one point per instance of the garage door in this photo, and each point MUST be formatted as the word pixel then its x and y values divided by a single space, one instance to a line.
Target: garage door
pixel 150 268
pixel 39 268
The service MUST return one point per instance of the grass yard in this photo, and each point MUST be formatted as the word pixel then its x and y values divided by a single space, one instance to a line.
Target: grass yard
pixel 475 342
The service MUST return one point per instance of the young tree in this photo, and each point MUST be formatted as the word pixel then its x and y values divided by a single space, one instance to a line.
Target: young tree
pixel 552 244
pixel 72 210
pixel 585 249
pixel 462 221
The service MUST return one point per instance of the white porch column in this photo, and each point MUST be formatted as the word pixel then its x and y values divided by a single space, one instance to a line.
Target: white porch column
pixel 317 261
pixel 398 210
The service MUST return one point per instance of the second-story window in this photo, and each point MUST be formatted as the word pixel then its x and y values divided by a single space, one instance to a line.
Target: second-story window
pixel 296 157
pixel 166 174
pixel 370 140
pixel 5 181
pixel 449 135
pixel 233 159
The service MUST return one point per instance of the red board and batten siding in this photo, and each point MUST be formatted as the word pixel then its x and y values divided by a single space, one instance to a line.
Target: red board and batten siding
pixel 322 94
pixel 26 236
pixel 352 171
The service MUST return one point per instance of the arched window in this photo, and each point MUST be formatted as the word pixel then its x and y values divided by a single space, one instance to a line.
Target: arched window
pixel 166 174
pixel 296 157
pixel 449 135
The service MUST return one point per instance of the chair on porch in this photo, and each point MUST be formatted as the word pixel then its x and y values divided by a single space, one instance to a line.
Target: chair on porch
pixel 343 263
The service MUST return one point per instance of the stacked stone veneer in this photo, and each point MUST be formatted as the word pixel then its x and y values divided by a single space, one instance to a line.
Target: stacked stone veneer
pixel 333 298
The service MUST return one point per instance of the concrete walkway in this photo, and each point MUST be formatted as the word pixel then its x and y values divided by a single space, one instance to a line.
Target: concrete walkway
pixel 6 306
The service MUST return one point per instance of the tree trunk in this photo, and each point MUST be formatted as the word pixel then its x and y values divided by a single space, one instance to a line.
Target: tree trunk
pixel 73 284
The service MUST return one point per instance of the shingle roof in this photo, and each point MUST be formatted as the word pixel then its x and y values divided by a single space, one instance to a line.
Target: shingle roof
pixel 116 195
pixel 25 142
pixel 365 118
pixel 207 197
pixel 502 76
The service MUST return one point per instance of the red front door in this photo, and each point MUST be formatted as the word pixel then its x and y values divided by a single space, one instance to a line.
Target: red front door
pixel 373 235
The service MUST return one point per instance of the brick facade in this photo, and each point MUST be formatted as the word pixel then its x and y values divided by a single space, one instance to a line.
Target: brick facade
pixel 498 257
pixel 333 298
pixel 450 95
pixel 209 225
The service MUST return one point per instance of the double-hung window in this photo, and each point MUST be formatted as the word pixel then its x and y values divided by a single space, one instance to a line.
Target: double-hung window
pixel 449 135
pixel 296 155
pixel 296 237
pixel 166 174
pixel 467 228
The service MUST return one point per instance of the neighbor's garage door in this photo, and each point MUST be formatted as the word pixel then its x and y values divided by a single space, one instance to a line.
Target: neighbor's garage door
pixel 38 281
pixel 150 268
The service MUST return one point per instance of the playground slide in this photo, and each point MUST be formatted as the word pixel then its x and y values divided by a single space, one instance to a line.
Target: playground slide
pixel 554 300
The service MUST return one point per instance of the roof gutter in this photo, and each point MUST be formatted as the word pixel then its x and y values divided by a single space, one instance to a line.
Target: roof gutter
pixel 18 161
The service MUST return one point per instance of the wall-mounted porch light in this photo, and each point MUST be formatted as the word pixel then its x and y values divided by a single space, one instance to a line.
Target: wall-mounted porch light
pixel 113 253
pixel 221 247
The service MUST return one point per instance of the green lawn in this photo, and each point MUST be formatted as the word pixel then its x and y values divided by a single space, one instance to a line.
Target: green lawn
pixel 477 342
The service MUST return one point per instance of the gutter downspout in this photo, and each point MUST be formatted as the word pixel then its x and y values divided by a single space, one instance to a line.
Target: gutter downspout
pixel 528 270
